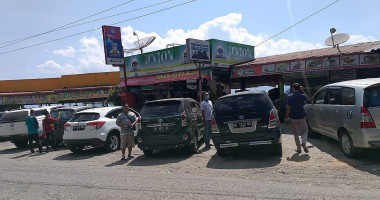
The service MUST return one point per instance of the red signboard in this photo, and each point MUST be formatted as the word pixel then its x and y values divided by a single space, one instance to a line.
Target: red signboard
pixel 169 77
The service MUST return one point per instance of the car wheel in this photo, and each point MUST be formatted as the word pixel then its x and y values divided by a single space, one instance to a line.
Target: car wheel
pixel 220 151
pixel 346 145
pixel 75 148
pixel 113 142
pixel 277 149
pixel 21 144
pixel 193 148
pixel 148 152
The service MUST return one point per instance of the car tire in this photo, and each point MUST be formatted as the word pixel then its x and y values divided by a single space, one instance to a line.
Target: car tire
pixel 75 148
pixel 112 142
pixel 193 147
pixel 346 145
pixel 220 151
pixel 21 143
pixel 277 149
pixel 148 152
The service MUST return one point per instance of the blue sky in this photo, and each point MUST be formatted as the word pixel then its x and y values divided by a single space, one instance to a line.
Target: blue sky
pixel 244 21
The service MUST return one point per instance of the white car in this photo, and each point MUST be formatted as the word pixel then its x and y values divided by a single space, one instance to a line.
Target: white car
pixel 13 126
pixel 95 127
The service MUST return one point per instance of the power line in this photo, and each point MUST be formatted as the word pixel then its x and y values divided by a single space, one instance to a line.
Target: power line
pixel 55 29
pixel 90 30
pixel 67 27
pixel 304 19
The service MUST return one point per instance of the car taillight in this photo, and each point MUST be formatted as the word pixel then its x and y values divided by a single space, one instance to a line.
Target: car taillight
pixel 214 126
pixel 273 122
pixel 66 126
pixel 366 120
pixel 96 125
pixel 184 119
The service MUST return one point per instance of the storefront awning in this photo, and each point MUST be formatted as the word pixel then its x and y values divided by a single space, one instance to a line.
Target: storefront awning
pixel 168 77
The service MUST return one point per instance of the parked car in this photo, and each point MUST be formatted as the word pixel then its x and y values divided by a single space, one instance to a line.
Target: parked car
pixel 245 119
pixel 66 114
pixel 13 126
pixel 349 112
pixel 170 124
pixel 95 127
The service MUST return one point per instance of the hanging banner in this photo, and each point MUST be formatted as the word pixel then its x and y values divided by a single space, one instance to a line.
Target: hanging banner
pixel 90 94
pixel 27 100
pixel 226 53
pixel 113 48
pixel 316 64
pixel 168 77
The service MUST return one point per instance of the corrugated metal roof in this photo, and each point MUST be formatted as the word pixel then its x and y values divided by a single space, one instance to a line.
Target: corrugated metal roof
pixel 348 49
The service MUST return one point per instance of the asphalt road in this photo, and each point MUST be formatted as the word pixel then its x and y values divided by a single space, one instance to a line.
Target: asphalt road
pixel 324 173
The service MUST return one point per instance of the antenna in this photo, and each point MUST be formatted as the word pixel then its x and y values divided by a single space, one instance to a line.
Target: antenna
pixel 140 44
pixel 337 39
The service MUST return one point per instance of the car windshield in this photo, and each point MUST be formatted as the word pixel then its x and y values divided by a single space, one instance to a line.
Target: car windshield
pixel 163 108
pixel 242 104
pixel 65 114
pixel 372 97
pixel 15 116
pixel 83 117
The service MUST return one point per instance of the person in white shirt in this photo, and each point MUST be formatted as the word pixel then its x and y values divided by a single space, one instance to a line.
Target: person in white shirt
pixel 207 109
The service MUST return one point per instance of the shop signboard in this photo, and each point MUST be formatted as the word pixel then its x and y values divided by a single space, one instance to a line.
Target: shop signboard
pixel 113 48
pixel 27 100
pixel 226 53
pixel 168 77
pixel 198 50
pixel 308 65
pixel 89 94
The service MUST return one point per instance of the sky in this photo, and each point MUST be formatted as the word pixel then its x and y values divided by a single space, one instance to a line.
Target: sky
pixel 48 39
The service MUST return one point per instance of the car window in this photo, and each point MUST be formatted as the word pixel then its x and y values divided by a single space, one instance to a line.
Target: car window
pixel 320 97
pixel 15 116
pixel 65 114
pixel 161 108
pixel 347 96
pixel 242 104
pixel 372 97
pixel 333 96
pixel 83 117
pixel 194 107
pixel 114 114
pixel 40 112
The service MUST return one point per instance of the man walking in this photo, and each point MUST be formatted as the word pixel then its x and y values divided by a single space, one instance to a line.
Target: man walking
pixel 207 108
pixel 48 125
pixel 126 121
pixel 32 125
pixel 294 110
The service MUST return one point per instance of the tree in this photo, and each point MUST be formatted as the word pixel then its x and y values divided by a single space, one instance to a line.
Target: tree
pixel 114 98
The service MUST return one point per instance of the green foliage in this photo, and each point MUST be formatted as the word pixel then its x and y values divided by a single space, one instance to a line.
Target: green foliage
pixel 114 98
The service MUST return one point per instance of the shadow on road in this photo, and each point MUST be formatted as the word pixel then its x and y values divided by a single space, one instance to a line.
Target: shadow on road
pixel 296 157
pixel 14 150
pixel 367 161
pixel 256 157
pixel 86 153
pixel 161 158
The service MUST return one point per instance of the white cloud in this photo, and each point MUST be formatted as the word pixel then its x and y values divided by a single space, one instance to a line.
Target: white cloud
pixel 360 38
pixel 51 67
pixel 69 52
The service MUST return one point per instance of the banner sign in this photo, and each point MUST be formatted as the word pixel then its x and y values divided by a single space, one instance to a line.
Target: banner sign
pixel 198 50
pixel 113 48
pixel 25 100
pixel 168 77
pixel 92 94
pixel 316 64
pixel 226 53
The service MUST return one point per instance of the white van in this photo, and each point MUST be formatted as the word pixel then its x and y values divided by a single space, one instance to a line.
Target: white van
pixel 349 112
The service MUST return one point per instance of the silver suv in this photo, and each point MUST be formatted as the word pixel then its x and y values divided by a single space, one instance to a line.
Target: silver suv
pixel 349 112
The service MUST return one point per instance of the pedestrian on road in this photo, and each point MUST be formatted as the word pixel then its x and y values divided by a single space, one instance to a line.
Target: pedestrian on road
pixel 297 115
pixel 207 109
pixel 32 125
pixel 127 121
pixel 49 134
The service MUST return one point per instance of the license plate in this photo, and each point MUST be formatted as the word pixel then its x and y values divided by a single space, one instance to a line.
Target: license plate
pixel 78 128
pixel 243 124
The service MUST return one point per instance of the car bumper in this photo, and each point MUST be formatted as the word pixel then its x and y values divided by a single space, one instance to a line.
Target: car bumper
pixel 220 142
pixel 143 146
pixel 366 138
pixel 84 142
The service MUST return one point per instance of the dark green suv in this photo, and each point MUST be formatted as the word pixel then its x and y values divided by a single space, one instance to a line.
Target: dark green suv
pixel 170 124
pixel 245 119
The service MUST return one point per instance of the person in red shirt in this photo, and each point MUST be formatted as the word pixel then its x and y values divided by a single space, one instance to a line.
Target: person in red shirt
pixel 48 126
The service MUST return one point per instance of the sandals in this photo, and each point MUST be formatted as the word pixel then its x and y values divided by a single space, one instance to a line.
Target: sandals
pixel 298 151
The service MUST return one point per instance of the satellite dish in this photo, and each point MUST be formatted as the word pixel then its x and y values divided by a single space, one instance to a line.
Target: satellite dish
pixel 337 39
pixel 140 44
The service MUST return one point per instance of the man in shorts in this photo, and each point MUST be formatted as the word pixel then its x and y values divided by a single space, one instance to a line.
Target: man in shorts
pixel 126 120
